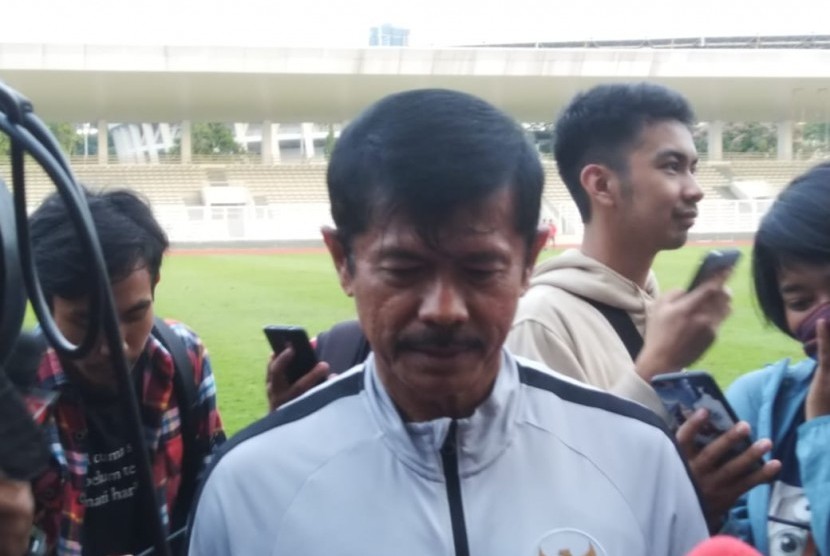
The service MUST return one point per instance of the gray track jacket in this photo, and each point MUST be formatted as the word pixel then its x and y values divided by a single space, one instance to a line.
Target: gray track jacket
pixel 543 466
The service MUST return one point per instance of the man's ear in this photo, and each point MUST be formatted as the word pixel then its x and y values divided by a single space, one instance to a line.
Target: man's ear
pixel 340 258
pixel 599 183
pixel 533 253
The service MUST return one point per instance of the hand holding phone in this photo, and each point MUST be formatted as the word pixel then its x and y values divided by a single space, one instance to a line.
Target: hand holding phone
pixel 304 360
pixel 683 393
pixel 725 465
pixel 715 261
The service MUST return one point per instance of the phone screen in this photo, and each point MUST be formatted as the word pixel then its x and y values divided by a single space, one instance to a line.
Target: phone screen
pixel 684 393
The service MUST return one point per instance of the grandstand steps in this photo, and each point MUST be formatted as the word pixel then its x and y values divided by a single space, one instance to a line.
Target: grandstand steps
pixel 775 172
pixel 216 176
pixel 306 183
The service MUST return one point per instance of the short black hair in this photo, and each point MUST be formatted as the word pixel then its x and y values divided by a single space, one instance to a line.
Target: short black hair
pixel 426 153
pixel 796 229
pixel 129 235
pixel 600 125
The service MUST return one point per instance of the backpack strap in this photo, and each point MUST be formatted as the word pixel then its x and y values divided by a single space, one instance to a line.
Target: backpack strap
pixel 343 346
pixel 184 385
pixel 622 324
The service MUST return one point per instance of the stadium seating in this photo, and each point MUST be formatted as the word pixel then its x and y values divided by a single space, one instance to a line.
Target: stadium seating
pixel 284 183
pixel 162 184
pixel 306 183
pixel 777 173
pixel 555 189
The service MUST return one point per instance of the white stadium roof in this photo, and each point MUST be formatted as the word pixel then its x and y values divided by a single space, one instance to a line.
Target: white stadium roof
pixel 121 83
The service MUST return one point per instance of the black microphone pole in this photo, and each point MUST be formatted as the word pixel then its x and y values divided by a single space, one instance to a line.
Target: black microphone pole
pixel 29 134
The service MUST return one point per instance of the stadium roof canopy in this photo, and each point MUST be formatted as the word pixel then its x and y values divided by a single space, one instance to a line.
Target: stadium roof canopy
pixel 154 84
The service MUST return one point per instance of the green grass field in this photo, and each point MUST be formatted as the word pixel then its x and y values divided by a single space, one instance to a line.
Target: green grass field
pixel 227 299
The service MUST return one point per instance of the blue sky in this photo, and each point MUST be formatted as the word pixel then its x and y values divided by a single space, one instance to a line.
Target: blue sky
pixel 339 23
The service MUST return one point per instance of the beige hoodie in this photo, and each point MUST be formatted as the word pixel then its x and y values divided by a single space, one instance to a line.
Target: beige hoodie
pixel 569 335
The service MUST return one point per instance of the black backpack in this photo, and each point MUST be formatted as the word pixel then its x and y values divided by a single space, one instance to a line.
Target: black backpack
pixel 343 346
pixel 184 387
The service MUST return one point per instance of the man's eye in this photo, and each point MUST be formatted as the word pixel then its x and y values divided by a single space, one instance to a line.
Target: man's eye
pixel 401 270
pixel 482 273
pixel 135 317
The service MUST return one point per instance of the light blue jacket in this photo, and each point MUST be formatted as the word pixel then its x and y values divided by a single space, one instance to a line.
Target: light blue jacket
pixel 769 400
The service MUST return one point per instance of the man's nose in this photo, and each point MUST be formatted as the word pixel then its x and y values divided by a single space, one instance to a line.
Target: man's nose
pixel 692 190
pixel 444 303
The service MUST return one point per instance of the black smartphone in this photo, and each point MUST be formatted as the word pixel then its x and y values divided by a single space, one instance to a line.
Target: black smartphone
pixel 685 392
pixel 282 336
pixel 715 261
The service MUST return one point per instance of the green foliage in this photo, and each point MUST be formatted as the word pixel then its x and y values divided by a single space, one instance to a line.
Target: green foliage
pixel 811 139
pixel 331 141
pixel 750 137
pixel 65 134
pixel 68 138
pixel 209 138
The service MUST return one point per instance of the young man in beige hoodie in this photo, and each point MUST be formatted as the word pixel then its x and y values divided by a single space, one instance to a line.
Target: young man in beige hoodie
pixel 627 156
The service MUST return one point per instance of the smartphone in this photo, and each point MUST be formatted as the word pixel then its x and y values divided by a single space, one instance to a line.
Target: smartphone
pixel 685 392
pixel 715 261
pixel 282 336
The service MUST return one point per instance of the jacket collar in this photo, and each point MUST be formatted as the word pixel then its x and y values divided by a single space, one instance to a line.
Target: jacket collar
pixel 481 438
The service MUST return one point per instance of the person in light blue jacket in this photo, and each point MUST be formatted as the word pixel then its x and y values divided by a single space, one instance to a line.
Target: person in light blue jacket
pixel 790 402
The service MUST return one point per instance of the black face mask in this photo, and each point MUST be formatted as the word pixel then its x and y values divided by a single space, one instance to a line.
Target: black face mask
pixel 806 331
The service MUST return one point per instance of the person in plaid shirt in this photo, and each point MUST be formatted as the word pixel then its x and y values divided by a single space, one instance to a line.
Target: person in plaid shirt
pixel 87 501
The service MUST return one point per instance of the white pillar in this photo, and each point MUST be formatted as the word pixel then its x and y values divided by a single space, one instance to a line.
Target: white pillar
pixel 166 136
pixel 122 144
pixel 148 135
pixel 715 140
pixel 308 139
pixel 785 140
pixel 136 144
pixel 270 145
pixel 103 142
pixel 186 143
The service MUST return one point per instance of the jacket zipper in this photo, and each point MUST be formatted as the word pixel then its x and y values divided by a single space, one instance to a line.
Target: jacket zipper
pixel 449 459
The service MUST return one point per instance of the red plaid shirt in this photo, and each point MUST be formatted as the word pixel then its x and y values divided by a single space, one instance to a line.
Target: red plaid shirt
pixel 57 492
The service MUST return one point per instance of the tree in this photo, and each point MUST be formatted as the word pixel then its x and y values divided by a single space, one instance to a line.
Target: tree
pixel 68 138
pixel 65 134
pixel 811 139
pixel 209 138
pixel 331 141
pixel 750 137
